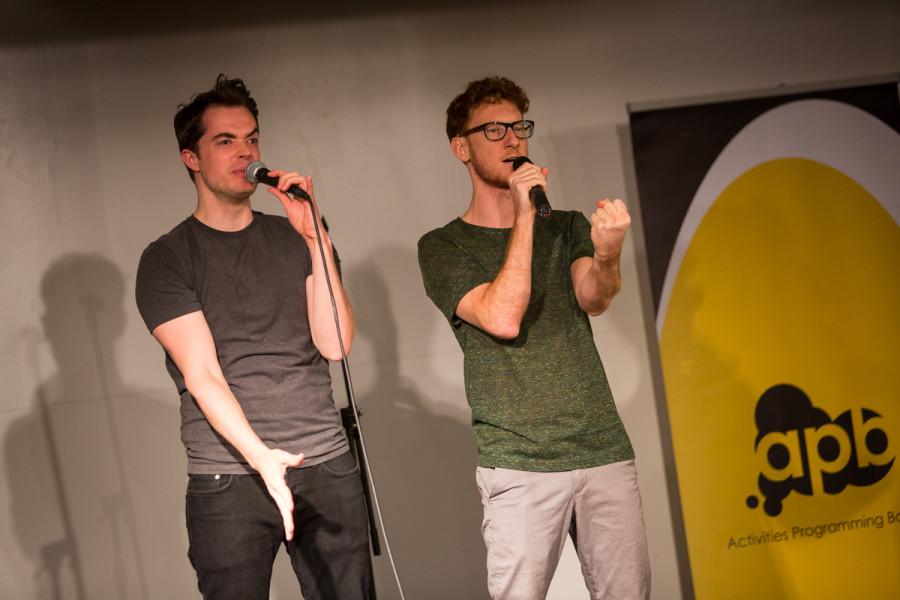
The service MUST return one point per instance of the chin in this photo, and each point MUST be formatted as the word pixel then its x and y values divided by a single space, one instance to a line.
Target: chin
pixel 240 196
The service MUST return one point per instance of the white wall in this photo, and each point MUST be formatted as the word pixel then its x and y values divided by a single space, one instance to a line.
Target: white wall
pixel 93 471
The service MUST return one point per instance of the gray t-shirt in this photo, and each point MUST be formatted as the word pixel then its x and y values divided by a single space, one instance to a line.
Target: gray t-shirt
pixel 251 287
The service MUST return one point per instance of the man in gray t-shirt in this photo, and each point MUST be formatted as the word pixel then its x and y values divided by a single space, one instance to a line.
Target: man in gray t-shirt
pixel 239 302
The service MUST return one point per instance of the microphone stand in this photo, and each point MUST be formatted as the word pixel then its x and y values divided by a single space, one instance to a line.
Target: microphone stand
pixel 356 446
pixel 349 416
pixel 350 420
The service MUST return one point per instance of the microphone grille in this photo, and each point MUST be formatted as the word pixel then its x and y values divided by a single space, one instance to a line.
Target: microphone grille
pixel 252 172
pixel 519 161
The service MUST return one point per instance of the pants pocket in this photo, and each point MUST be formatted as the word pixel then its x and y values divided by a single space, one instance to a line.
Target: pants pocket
pixel 207 485
pixel 344 465
pixel 484 479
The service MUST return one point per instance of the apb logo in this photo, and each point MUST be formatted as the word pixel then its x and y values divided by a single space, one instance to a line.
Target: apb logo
pixel 800 449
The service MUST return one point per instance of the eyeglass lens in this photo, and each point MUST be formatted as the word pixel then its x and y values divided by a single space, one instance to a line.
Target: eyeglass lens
pixel 497 131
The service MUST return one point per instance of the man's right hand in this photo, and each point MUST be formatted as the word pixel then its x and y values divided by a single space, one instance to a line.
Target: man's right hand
pixel 520 183
pixel 272 466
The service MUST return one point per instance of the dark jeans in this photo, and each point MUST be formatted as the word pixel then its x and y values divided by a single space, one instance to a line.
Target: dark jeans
pixel 235 529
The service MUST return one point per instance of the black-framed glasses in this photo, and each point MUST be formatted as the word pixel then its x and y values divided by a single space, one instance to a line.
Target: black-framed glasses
pixel 496 130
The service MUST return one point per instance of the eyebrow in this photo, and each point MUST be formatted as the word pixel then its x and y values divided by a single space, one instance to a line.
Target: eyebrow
pixel 231 136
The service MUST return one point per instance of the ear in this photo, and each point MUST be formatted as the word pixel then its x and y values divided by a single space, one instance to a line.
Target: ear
pixel 189 158
pixel 460 147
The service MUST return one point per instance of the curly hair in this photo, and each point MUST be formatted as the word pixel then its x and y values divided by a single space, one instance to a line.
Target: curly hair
pixel 491 89
pixel 189 117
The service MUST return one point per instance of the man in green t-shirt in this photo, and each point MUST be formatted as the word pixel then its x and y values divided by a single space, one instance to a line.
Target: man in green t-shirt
pixel 517 289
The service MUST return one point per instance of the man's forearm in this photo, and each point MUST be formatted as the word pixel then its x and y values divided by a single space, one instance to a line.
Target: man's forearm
pixel 188 341
pixel 498 307
pixel 321 314
pixel 507 297
pixel 598 279
pixel 226 416
pixel 598 284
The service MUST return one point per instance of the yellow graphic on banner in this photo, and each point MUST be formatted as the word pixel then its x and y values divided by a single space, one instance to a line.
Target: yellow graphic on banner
pixel 781 357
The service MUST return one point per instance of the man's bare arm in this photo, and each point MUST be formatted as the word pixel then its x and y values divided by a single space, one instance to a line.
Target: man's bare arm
pixel 598 279
pixel 318 300
pixel 188 340
pixel 499 306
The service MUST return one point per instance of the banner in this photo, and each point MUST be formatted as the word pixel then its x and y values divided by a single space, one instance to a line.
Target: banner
pixel 773 246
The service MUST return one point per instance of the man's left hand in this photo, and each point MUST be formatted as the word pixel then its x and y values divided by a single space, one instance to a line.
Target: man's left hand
pixel 298 211
pixel 608 226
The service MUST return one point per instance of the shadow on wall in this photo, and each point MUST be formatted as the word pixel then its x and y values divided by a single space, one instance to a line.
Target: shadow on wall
pixel 420 442
pixel 96 470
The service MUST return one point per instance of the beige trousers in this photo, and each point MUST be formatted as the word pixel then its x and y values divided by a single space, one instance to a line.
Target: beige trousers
pixel 527 516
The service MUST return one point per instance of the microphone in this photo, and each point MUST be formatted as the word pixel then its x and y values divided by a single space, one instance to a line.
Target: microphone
pixel 257 172
pixel 537 194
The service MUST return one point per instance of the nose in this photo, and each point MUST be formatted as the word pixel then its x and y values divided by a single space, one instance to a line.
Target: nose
pixel 245 149
pixel 510 140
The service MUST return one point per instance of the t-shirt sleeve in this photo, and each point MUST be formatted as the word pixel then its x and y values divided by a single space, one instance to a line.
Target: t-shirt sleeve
pixel 580 244
pixel 449 272
pixel 163 290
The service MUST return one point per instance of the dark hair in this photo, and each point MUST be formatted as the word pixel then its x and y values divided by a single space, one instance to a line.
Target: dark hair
pixel 492 89
pixel 189 118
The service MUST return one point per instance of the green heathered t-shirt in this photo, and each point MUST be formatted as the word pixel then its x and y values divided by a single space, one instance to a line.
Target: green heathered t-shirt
pixel 540 402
